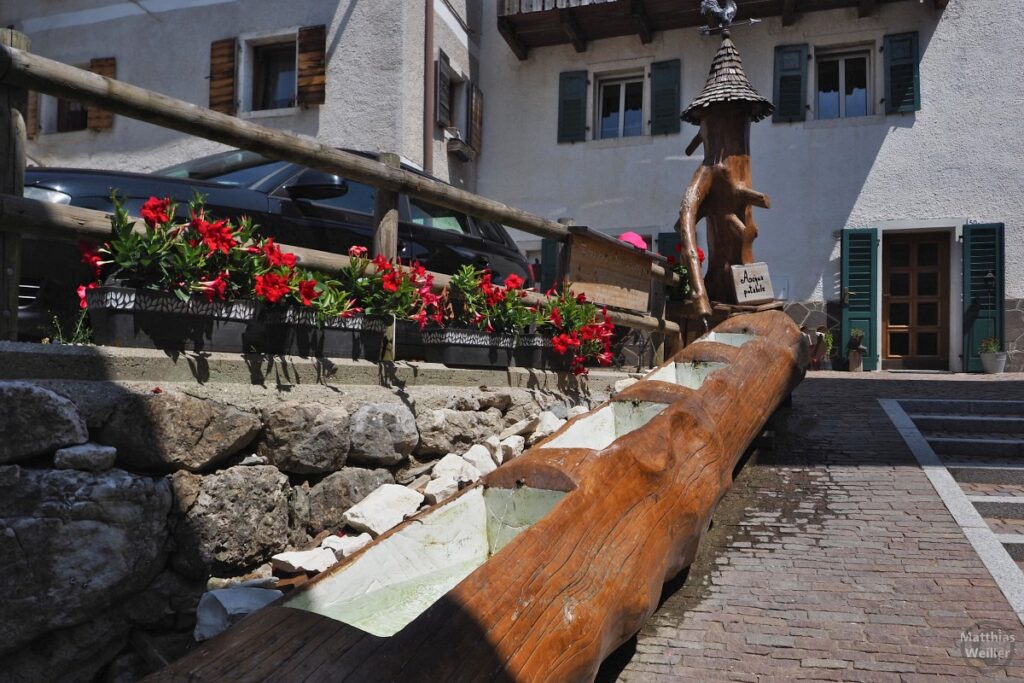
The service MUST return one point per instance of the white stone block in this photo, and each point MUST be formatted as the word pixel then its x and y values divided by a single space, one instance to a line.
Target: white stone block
pixel 522 427
pixel 89 457
pixel 455 467
pixel 547 423
pixel 624 384
pixel 578 410
pixel 479 457
pixel 441 489
pixel 512 447
pixel 383 509
pixel 343 546
pixel 316 560
pixel 220 609
pixel 493 445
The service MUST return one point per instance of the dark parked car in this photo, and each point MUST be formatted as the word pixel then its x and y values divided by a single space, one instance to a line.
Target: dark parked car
pixel 297 205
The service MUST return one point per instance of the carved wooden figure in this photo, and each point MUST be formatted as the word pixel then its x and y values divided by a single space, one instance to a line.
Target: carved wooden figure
pixel 720 189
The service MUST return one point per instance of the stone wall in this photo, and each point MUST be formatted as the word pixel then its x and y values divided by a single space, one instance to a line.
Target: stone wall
pixel 121 503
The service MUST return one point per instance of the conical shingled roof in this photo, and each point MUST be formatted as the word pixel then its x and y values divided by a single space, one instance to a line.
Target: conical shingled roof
pixel 727 83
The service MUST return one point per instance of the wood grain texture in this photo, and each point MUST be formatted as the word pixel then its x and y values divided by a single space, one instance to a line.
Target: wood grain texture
pixel 312 65
pixel 96 117
pixel 222 75
pixel 13 106
pixel 561 596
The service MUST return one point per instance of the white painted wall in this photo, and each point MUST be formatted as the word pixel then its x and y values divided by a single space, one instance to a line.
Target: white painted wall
pixel 961 156
pixel 374 79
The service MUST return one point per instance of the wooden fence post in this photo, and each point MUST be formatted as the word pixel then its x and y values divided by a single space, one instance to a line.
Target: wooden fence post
pixel 385 215
pixel 13 106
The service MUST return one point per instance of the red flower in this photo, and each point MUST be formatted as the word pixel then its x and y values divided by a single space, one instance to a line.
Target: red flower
pixel 91 257
pixel 513 281
pixel 382 264
pixel 157 390
pixel 154 211
pixel 356 251
pixel 421 318
pixel 700 255
pixel 391 281
pixel 217 236
pixel 671 260
pixel 579 370
pixel 271 287
pixel 556 317
pixel 605 358
pixel 276 257
pixel 562 343
pixel 217 287
pixel 82 289
pixel 581 298
pixel 307 292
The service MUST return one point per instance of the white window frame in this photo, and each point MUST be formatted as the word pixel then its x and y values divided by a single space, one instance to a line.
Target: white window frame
pixel 622 79
pixel 841 55
pixel 247 69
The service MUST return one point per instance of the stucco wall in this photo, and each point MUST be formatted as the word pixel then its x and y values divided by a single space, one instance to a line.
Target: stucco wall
pixel 957 157
pixel 374 80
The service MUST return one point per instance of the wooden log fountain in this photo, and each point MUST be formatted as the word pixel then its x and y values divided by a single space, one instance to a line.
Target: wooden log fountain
pixel 555 559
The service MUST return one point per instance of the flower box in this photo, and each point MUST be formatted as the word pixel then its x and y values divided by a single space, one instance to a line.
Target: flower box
pixel 295 332
pixel 141 318
pixel 472 348
pixel 409 341
pixel 536 351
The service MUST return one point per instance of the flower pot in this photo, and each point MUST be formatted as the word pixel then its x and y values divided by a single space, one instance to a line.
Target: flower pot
pixel 295 331
pixel 409 341
pixel 538 353
pixel 470 348
pixel 142 318
pixel 993 363
pixel 855 361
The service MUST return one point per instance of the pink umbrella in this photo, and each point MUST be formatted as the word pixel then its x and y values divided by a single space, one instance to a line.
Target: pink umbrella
pixel 633 239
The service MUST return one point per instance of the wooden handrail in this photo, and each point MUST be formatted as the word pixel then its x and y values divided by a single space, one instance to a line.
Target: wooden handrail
pixel 70 223
pixel 60 80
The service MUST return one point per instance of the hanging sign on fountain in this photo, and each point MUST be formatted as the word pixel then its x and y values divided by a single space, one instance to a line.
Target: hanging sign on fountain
pixel 753 283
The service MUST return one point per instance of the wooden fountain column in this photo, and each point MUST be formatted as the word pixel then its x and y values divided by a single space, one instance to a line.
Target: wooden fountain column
pixel 720 191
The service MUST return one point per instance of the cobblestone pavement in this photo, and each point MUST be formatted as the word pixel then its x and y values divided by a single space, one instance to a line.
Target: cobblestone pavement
pixel 833 558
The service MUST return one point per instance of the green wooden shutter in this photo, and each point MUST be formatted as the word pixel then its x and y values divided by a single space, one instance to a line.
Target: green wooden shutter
pixel 667 242
pixel 665 105
pixel 572 106
pixel 902 73
pixel 983 295
pixel 790 83
pixel 549 253
pixel 860 273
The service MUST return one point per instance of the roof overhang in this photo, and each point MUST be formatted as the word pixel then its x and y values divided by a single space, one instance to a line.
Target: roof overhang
pixel 528 24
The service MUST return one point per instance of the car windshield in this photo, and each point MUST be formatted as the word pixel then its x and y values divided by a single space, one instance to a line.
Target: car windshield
pixel 238 168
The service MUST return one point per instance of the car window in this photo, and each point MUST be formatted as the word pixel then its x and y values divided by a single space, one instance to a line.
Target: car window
pixel 438 217
pixel 491 232
pixel 358 197
pixel 238 168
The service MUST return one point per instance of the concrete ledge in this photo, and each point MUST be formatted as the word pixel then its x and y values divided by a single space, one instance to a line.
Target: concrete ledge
pixel 20 360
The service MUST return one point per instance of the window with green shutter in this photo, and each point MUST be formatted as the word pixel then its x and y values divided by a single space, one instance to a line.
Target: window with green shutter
pixel 665 104
pixel 984 287
pixel 550 254
pixel 860 273
pixel 902 73
pixel 572 106
pixel 790 83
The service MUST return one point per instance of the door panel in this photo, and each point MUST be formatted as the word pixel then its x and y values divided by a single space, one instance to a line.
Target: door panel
pixel 915 301
pixel 860 272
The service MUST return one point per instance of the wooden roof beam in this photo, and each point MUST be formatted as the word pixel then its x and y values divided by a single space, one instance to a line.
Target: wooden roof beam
pixel 788 12
pixel 508 31
pixel 865 8
pixel 643 25
pixel 572 29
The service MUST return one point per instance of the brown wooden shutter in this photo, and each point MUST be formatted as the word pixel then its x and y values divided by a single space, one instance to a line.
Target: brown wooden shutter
pixel 32 115
pixel 312 65
pixel 474 116
pixel 96 118
pixel 222 75
pixel 442 90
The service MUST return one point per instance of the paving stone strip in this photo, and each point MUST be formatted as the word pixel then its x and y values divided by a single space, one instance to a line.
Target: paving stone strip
pixel 834 558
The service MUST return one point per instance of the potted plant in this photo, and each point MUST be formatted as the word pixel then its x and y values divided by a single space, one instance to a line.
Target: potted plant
pixel 576 333
pixel 486 321
pixel 993 361
pixel 825 335
pixel 855 350
pixel 211 285
pixel 678 296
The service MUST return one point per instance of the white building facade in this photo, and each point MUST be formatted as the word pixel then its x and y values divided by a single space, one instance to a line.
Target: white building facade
pixel 914 179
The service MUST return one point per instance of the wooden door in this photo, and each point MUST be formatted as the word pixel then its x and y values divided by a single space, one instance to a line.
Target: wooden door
pixel 915 301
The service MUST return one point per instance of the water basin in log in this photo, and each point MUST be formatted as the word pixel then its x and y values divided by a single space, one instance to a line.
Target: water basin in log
pixel 398 578
pixel 606 424
pixel 689 375
pixel 736 339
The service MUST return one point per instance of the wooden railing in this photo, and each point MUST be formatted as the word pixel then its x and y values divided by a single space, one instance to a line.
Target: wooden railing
pixel 21 71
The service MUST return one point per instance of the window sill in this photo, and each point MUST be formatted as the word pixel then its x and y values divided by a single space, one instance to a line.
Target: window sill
pixel 849 122
pixel 611 143
pixel 268 113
